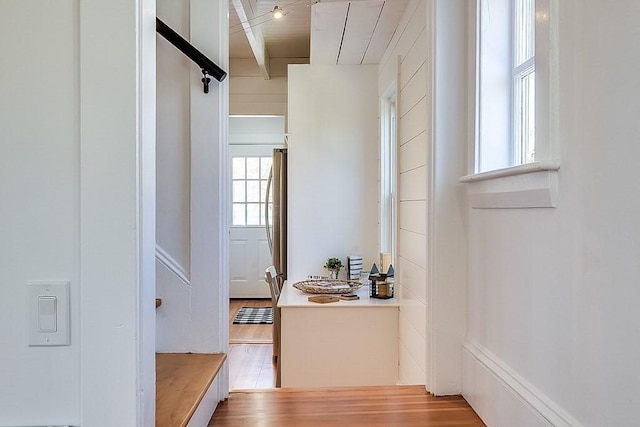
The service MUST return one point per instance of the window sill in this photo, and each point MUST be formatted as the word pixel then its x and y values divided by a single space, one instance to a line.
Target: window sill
pixel 533 185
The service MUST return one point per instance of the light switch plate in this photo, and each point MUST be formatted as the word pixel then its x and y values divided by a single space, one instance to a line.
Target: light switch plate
pixel 48 322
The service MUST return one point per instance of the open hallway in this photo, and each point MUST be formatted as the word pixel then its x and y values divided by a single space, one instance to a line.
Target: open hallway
pixel 250 350
pixel 390 406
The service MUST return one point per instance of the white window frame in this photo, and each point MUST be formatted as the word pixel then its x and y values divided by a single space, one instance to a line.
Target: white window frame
pixel 388 172
pixel 492 125
pixel 523 65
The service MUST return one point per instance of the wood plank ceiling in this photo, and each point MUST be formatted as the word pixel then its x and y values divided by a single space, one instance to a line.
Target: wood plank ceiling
pixel 325 31
pixel 353 32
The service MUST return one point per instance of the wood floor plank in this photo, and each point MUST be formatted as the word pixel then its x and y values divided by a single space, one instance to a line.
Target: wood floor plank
pixel 182 379
pixel 405 406
pixel 251 366
pixel 248 334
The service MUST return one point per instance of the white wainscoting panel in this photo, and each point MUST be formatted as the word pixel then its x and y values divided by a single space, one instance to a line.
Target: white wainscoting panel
pixel 413 122
pixel 413 184
pixel 414 89
pixel 501 397
pixel 413 278
pixel 413 311
pixel 413 247
pixel 414 62
pixel 413 154
pixel 411 371
pixel 411 215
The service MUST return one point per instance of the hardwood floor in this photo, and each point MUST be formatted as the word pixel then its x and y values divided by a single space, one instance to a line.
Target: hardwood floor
pixel 250 350
pixel 251 367
pixel 248 334
pixel 405 406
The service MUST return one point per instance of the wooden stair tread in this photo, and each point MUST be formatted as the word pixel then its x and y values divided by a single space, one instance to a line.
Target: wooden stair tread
pixel 182 379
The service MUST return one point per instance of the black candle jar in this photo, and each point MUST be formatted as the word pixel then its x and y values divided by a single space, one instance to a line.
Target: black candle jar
pixel 381 286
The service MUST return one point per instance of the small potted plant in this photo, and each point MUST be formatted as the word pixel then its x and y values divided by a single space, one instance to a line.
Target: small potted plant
pixel 333 265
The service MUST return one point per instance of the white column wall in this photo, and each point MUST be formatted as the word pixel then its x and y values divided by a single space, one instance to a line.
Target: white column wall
pixel 447 246
pixel 209 183
pixel 333 164
pixel 410 44
pixel 117 205
pixel 76 180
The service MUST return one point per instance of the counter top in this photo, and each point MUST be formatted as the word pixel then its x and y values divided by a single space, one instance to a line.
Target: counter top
pixel 292 297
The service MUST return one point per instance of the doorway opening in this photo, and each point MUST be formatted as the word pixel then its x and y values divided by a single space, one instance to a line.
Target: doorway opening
pixel 251 143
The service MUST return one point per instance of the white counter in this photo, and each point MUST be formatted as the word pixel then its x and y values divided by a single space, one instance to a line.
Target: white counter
pixel 292 297
pixel 344 343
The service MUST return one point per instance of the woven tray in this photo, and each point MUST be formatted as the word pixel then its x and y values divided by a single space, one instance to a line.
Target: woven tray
pixel 327 286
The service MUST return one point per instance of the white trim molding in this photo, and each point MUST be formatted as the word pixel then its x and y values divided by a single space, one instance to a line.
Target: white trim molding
pixel 172 265
pixel 514 400
pixel 551 165
pixel 534 185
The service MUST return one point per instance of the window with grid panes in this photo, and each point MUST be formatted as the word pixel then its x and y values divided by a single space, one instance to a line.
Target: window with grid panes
pixel 506 91
pixel 249 190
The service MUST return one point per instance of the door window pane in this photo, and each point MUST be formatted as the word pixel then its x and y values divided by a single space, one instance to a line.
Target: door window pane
pixel 249 189
pixel 263 191
pixel 253 213
pixel 239 214
pixel 238 165
pixel 265 167
pixel 253 191
pixel 239 192
pixel 253 167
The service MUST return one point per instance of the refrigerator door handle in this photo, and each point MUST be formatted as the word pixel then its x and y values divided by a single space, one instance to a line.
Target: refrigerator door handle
pixel 266 212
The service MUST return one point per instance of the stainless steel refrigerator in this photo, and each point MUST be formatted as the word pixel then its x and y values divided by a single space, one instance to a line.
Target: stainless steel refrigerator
pixel 276 223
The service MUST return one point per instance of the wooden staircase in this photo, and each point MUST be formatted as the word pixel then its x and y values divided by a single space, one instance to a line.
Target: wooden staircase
pixel 182 381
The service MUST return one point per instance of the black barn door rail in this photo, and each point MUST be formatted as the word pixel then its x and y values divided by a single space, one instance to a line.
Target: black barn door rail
pixel 209 68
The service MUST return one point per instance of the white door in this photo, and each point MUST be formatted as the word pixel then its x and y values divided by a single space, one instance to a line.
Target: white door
pixel 249 253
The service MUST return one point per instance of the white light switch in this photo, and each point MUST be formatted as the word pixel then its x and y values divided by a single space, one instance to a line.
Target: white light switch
pixel 47 313
pixel 48 308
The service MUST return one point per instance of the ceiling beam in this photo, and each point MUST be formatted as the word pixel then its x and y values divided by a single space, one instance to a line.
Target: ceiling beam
pixel 246 11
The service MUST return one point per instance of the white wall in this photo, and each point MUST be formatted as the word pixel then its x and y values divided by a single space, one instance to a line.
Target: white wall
pixel 40 209
pixel 553 293
pixel 333 163
pixel 410 44
pixel 79 200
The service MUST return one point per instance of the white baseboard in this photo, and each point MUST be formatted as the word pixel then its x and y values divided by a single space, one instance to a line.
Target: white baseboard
pixel 208 404
pixel 501 397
